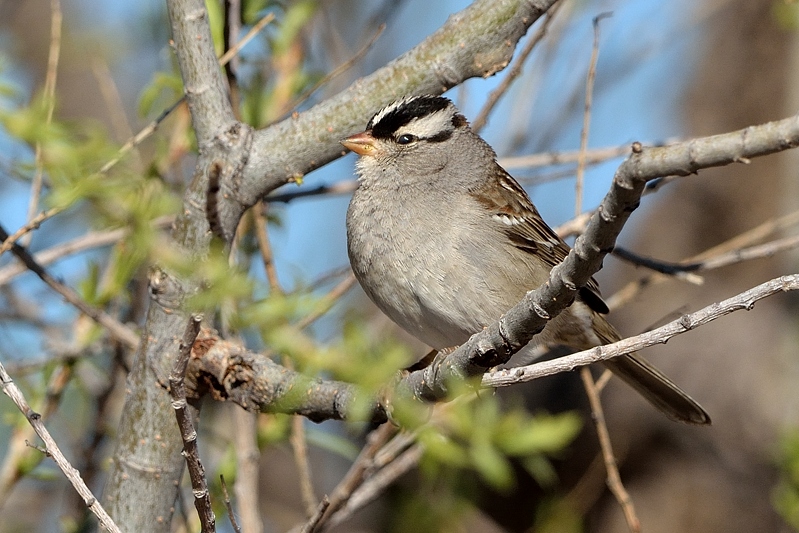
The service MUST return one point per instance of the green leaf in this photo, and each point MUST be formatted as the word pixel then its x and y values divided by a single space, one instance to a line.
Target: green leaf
pixel 166 88
pixel 492 465
pixel 297 16
pixel 216 19
pixel 543 434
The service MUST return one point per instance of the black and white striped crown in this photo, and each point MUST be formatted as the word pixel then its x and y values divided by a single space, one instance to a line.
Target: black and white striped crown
pixel 427 117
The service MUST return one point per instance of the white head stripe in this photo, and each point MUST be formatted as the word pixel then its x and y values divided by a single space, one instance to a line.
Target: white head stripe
pixel 391 107
pixel 429 125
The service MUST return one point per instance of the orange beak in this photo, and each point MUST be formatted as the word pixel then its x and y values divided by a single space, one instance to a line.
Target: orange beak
pixel 361 143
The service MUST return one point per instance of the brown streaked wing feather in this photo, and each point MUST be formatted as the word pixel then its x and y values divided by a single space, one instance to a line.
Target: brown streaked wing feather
pixel 504 198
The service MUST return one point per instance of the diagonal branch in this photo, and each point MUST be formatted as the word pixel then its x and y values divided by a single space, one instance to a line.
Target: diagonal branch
pixel 51 449
pixel 495 344
pixel 743 301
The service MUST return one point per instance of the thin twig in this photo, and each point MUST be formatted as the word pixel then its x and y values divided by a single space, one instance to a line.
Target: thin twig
pixel 379 482
pixel 232 27
pixel 514 71
pixel 315 520
pixel 10 240
pixel 753 252
pixel 743 301
pixel 589 96
pixel 52 450
pixel 151 128
pixel 574 226
pixel 342 187
pixel 113 101
pixel 354 477
pixel 335 72
pixel 613 478
pixel 677 270
pixel 177 390
pixel 228 505
pixel 247 475
pixel 300 449
pixel 88 241
pixel 548 159
pixel 12 469
pixel 117 330
pixel 732 246
pixel 56 17
pixel 257 27
pixel 266 248
pixel 758 251
pixel 327 301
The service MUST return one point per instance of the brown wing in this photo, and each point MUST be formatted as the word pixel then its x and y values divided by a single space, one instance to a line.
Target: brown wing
pixel 512 208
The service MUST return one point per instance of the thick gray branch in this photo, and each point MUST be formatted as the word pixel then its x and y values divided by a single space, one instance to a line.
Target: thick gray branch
pixel 203 83
pixel 230 372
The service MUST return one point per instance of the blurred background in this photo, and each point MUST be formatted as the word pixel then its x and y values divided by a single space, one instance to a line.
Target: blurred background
pixel 666 70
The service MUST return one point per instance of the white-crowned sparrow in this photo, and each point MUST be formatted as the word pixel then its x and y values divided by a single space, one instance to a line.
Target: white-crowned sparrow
pixel 445 241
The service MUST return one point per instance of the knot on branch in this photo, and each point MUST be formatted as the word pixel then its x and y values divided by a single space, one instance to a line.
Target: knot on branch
pixel 165 290
pixel 225 158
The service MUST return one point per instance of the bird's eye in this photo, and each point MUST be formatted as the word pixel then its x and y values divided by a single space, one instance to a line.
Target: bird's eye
pixel 406 138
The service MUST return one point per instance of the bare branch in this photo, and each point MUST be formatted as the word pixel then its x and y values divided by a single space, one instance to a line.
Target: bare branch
pixel 56 18
pixel 379 482
pixel 354 477
pixel 264 245
pixel 743 301
pixel 734 256
pixel 593 155
pixel 300 449
pixel 327 301
pixel 513 72
pixel 52 449
pixel 177 389
pixel 613 477
pixel 589 97
pixel 248 458
pixel 730 246
pixel 115 328
pixel 88 241
pixel 32 224
pixel 228 505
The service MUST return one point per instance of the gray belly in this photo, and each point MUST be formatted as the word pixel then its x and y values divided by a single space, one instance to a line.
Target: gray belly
pixel 440 283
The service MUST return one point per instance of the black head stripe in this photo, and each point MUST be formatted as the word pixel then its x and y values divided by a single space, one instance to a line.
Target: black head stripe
pixel 399 114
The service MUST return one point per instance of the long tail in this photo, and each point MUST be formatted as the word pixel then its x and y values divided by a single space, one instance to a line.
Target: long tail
pixel 650 382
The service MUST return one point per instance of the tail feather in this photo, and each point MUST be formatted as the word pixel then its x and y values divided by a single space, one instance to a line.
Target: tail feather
pixel 650 382
pixel 659 390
